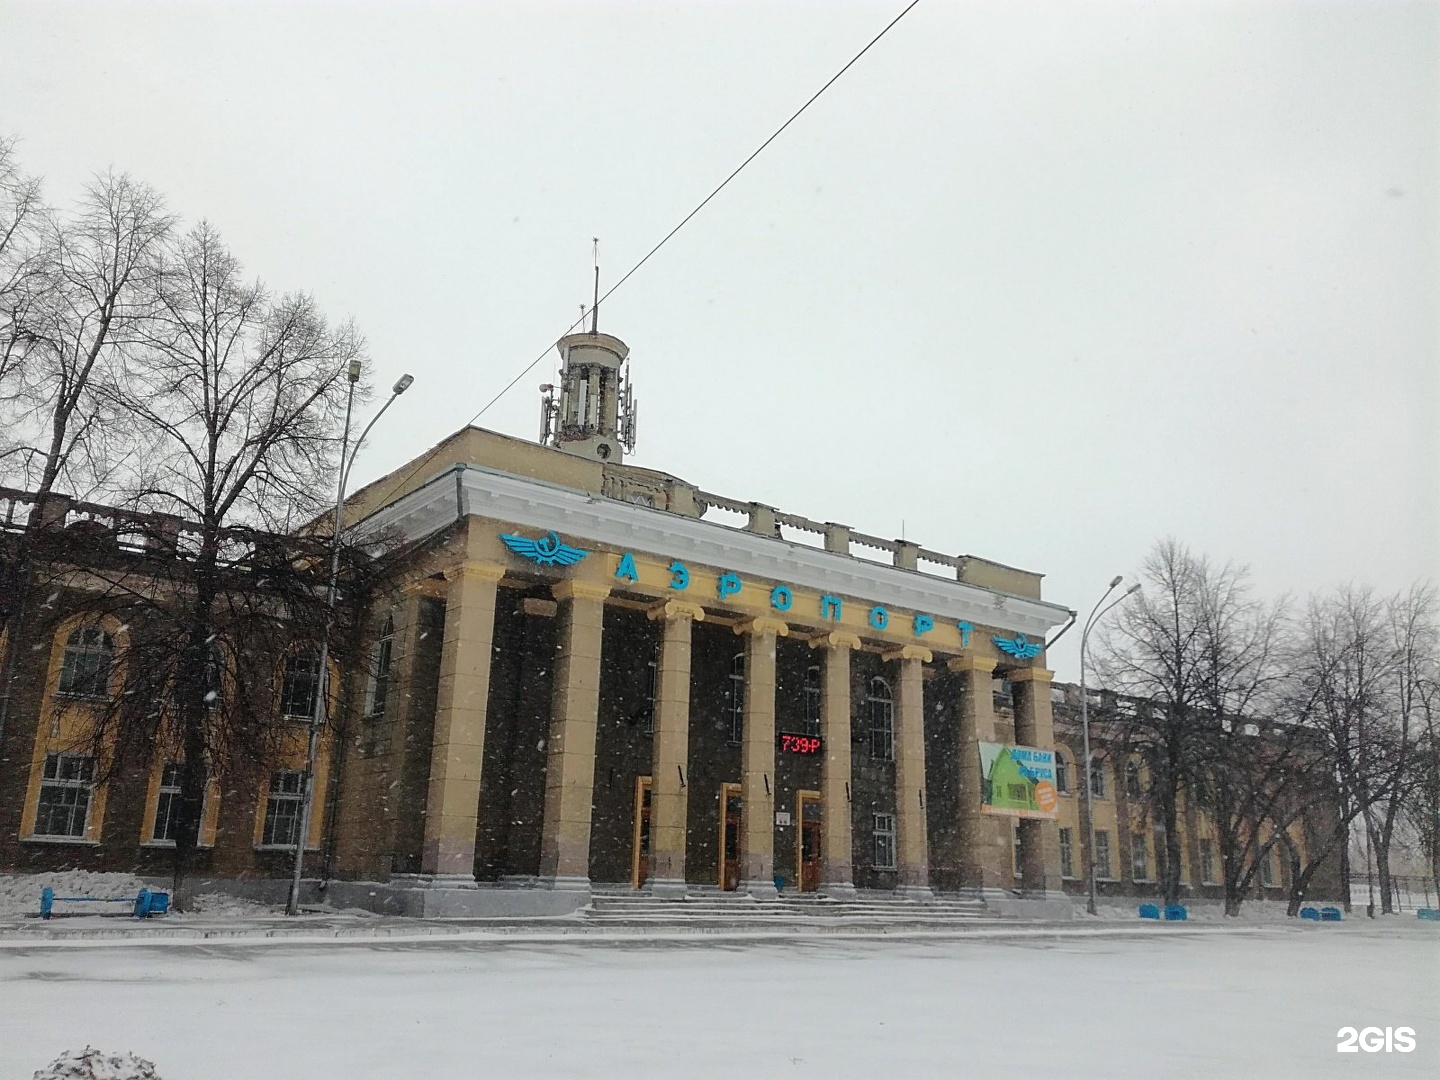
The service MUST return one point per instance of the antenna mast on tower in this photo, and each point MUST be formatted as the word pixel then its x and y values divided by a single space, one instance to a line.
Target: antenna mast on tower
pixel 595 307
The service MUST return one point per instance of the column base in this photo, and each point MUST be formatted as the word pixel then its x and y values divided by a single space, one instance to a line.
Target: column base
pixel 840 890
pixel 760 890
pixel 669 889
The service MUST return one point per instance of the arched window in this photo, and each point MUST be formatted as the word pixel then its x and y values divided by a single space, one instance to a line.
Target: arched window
pixel 881 706
pixel 1098 787
pixel 89 659
pixel 812 700
pixel 1134 780
pixel 302 684
pixel 381 660
pixel 737 698
pixel 1062 773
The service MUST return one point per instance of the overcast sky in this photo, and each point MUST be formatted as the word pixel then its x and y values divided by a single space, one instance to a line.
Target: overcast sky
pixel 1037 282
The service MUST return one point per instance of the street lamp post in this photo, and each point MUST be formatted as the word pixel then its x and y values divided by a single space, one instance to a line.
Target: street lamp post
pixel 322 681
pixel 1095 615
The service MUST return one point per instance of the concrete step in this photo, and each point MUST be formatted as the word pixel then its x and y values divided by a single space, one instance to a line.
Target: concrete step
pixel 713 909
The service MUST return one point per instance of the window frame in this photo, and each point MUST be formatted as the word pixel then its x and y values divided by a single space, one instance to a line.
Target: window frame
pixel 883 842
pixel 1104 870
pixel 880 714
pixel 1205 852
pixel 1139 859
pixel 275 797
pixel 811 721
pixel 736 734
pixel 75 660
pixel 1099 788
pixel 1067 853
pixel 381 674
pixel 1062 774
pixel 79 789
pixel 289 670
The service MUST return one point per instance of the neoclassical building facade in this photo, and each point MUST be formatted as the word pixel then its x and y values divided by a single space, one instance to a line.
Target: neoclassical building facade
pixel 591 680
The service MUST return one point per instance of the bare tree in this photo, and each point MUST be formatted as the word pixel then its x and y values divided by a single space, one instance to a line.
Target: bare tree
pixel 1343 670
pixel 78 288
pixel 1423 808
pixel 1154 652
pixel 1409 627
pixel 21 213
pixel 1245 759
pixel 238 397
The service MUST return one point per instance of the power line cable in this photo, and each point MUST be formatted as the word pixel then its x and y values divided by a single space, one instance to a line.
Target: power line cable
pixel 683 222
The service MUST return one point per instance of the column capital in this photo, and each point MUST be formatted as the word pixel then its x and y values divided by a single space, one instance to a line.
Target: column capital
pixel 969 662
pixel 1029 674
pixel 909 652
pixel 835 639
pixel 676 609
pixel 762 624
pixel 574 589
pixel 478 570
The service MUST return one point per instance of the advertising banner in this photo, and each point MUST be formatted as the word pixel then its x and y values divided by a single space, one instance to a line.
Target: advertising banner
pixel 1017 781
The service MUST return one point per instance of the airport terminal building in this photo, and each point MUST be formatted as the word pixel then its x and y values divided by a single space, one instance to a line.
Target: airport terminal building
pixel 577 676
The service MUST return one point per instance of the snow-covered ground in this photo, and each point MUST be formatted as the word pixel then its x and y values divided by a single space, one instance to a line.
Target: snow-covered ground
pixel 1257 1001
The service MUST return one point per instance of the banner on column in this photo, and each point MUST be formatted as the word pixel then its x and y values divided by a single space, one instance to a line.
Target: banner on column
pixel 1017 781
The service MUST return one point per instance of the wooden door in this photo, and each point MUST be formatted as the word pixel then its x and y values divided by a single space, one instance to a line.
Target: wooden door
pixel 640 851
pixel 807 806
pixel 730 814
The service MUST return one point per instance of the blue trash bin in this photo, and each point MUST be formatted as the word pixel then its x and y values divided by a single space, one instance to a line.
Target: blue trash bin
pixel 1176 913
pixel 1149 911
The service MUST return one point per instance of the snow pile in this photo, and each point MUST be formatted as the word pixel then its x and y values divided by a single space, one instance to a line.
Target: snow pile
pixel 91 1064
pixel 20 893
pixel 226 906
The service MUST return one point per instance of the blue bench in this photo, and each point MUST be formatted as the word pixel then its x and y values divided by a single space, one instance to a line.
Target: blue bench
pixel 1433 914
pixel 1149 911
pixel 1176 913
pixel 142 906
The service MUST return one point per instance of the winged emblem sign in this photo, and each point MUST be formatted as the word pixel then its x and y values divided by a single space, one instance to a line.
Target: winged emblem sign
pixel 1020 647
pixel 549 550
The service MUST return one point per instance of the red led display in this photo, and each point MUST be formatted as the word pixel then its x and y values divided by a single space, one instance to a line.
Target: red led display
pixel 799 744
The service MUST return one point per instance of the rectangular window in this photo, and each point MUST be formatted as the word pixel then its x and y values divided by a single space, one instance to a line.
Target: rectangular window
pixel 1067 853
pixel 282 808
pixel 168 805
pixel 884 841
pixel 1267 869
pixel 301 686
pixel 1139 866
pixel 652 681
pixel 1103 869
pixel 812 702
pixel 1017 853
pixel 65 787
pixel 381 662
pixel 737 699
pixel 1207 862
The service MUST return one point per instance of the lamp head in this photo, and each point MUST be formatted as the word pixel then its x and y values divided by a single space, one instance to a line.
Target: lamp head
pixel 1133 589
pixel 1116 580
pixel 353 372
pixel 403 383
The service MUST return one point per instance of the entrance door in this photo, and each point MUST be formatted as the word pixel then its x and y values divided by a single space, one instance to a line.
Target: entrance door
pixel 640 851
pixel 807 807
pixel 730 808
